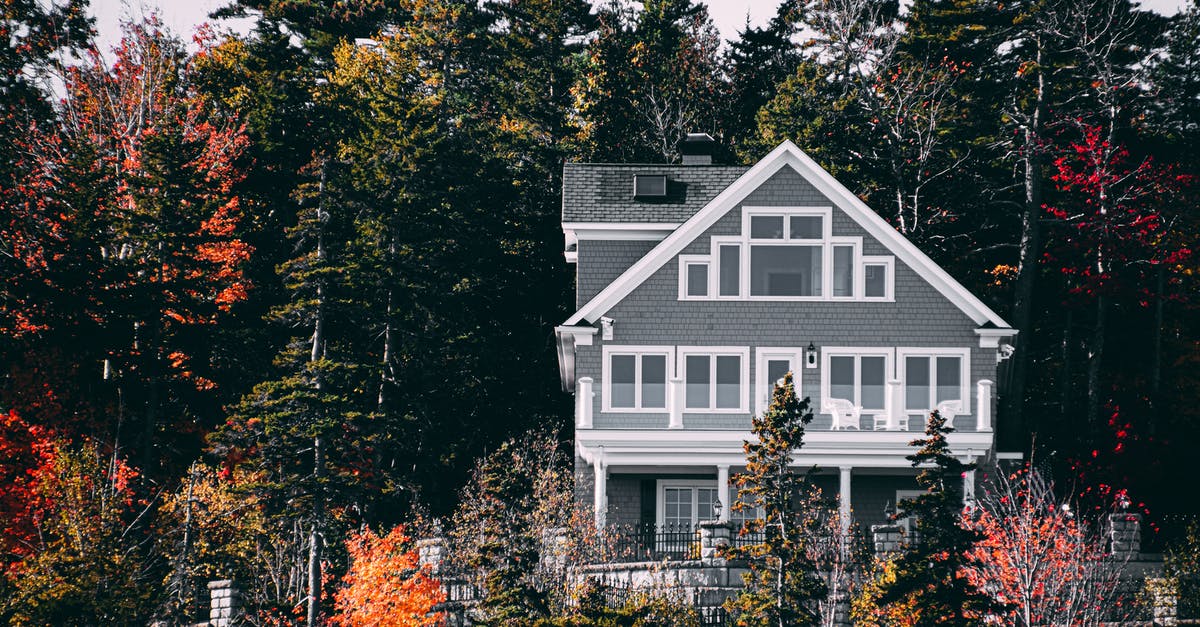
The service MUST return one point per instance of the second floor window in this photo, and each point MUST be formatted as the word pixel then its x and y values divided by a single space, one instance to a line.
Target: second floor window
pixel 857 375
pixel 714 379
pixel 933 376
pixel 636 379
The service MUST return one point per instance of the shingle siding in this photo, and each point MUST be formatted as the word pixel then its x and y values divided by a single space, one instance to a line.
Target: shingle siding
pixel 652 315
pixel 601 262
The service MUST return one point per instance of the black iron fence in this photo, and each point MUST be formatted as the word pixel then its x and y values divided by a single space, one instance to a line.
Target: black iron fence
pixel 650 542
pixel 709 609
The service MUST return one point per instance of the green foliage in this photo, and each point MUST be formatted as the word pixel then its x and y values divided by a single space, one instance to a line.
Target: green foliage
pixel 1182 565
pixel 782 586
pixel 929 579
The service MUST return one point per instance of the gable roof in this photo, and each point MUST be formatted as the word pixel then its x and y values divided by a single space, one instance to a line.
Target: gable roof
pixel 784 155
pixel 603 192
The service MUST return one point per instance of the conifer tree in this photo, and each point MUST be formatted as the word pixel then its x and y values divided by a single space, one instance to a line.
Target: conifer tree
pixel 929 576
pixel 782 586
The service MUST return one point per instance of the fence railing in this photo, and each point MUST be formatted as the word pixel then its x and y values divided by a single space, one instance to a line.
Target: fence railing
pixel 650 542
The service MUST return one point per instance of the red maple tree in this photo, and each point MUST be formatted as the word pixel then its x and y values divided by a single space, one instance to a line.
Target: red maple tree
pixel 385 585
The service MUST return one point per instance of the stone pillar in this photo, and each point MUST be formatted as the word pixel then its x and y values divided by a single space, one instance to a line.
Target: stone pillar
pixel 1164 596
pixel 723 491
pixel 583 403
pixel 1125 533
pixel 887 538
pixel 844 498
pixel 714 540
pixel 225 603
pixel 430 553
pixel 983 405
pixel 554 548
pixel 675 400
pixel 893 403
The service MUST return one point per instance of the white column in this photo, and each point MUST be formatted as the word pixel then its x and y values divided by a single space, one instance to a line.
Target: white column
pixel 723 491
pixel 969 487
pixel 983 405
pixel 893 403
pixel 583 403
pixel 600 500
pixel 675 403
pixel 844 498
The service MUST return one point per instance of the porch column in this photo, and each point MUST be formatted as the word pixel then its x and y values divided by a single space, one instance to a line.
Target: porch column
pixel 844 498
pixel 675 403
pixel 600 498
pixel 893 403
pixel 583 403
pixel 969 481
pixel 983 405
pixel 723 492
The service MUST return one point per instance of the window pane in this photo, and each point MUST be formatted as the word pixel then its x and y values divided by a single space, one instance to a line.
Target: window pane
pixel 807 227
pixel 916 384
pixel 776 368
pixel 654 381
pixel 730 270
pixel 841 378
pixel 697 279
pixel 785 270
pixel 766 227
pixel 949 379
pixel 843 271
pixel 697 381
pixel 678 505
pixel 622 375
pixel 875 283
pixel 729 381
pixel 873 373
pixel 704 503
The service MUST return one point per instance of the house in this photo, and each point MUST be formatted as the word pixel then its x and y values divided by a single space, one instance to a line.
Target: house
pixel 700 285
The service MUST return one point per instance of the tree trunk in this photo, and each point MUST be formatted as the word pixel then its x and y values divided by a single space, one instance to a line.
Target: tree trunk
pixel 1160 285
pixel 1013 399
pixel 318 495
pixel 1095 358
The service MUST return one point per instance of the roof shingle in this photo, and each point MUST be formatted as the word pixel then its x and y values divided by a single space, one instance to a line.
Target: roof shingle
pixel 603 192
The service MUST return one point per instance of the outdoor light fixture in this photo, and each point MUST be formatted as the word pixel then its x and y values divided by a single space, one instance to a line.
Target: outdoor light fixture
pixel 716 509
pixel 810 356
pixel 606 329
pixel 888 512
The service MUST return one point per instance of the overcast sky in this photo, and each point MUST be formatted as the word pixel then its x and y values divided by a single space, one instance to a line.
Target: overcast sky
pixel 182 16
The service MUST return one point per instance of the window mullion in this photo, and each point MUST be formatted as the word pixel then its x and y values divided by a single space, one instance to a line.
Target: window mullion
pixel 637 381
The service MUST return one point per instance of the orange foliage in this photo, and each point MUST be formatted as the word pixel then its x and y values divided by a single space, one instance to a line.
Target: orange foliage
pixel 385 585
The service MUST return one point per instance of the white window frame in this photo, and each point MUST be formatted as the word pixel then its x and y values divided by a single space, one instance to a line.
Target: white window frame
pixel 715 268
pixel 826 215
pixel 857 352
pixel 681 354
pixel 695 260
pixel 908 523
pixel 660 505
pixel 606 371
pixel 763 354
pixel 964 354
pixel 889 277
pixel 857 288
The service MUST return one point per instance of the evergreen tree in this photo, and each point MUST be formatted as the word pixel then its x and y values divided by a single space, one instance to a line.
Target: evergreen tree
pixel 929 576
pixel 782 586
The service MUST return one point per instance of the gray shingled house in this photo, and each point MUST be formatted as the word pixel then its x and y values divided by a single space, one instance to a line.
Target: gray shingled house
pixel 700 285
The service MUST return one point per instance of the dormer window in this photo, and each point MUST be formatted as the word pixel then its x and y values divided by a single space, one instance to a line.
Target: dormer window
pixel 649 185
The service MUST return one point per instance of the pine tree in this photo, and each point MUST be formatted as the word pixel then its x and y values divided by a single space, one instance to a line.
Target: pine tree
pixel 929 575
pixel 782 586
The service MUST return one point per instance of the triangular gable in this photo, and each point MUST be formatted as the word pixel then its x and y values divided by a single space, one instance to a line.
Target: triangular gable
pixel 786 154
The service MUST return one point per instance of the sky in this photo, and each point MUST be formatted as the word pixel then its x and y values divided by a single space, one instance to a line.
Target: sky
pixel 182 16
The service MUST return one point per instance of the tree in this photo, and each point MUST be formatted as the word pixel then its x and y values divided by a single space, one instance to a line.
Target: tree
pixel 930 576
pixel 1038 559
pixel 782 586
pixel 385 585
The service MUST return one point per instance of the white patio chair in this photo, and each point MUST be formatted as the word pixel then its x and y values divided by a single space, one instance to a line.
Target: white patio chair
pixel 881 422
pixel 846 415
pixel 948 410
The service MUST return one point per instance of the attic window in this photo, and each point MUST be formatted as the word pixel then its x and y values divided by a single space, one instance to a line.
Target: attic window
pixel 649 185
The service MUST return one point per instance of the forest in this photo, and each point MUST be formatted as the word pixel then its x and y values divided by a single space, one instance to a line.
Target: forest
pixel 266 291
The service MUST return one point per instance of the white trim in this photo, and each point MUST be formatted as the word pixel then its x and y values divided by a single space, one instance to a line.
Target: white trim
pixel 573 232
pixel 787 154
pixel 742 352
pixel 990 338
pixel 607 353
pixel 889 278
pixel 964 354
pixel 857 352
pixel 716 242
pixel 569 337
pixel 1010 455
pixel 660 496
pixel 694 260
pixel 763 354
